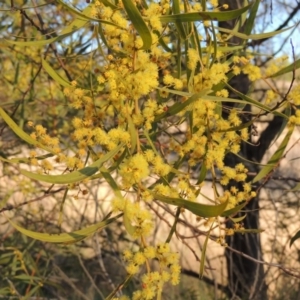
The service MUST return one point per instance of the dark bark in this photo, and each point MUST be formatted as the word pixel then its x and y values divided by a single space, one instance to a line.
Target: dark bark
pixel 246 278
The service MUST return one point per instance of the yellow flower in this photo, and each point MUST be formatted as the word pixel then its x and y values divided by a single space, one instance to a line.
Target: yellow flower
pixel 134 169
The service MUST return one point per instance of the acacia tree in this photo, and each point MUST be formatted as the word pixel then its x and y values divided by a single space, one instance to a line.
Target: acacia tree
pixel 120 76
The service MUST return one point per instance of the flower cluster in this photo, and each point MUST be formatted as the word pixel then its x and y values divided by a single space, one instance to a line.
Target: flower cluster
pixel 153 281
pixel 137 99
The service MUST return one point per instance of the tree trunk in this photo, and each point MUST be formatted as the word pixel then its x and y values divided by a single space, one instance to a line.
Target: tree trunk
pixel 246 278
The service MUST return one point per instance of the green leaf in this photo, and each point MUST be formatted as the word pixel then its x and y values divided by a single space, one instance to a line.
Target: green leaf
pixel 179 25
pixel 259 36
pixel 26 277
pixel 55 76
pixel 234 210
pixel 294 238
pixel 202 174
pixel 288 113
pixel 20 133
pixel 276 157
pixel 205 15
pixel 71 237
pixel 201 210
pixel 109 179
pixel 127 223
pixel 179 106
pixel 248 100
pixel 290 68
pixel 239 219
pixel 252 18
pixel 75 176
pixel 173 228
pixel 138 23
pixel 33 43
pixel 203 253
pixel 133 134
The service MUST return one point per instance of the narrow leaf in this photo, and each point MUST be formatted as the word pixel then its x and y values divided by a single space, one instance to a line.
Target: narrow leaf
pixel 276 157
pixel 55 75
pixel 133 134
pixel 173 229
pixel 239 219
pixel 205 15
pixel 179 106
pixel 234 210
pixel 202 174
pixel 138 23
pixel 127 223
pixel 259 36
pixel 201 210
pixel 290 68
pixel 70 237
pixel 252 17
pixel 179 25
pixel 20 132
pixel 203 254
pixel 75 176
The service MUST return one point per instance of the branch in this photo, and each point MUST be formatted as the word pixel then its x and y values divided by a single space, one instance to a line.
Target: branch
pixel 283 25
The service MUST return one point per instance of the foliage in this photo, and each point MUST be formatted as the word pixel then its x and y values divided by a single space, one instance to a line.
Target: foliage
pixel 136 94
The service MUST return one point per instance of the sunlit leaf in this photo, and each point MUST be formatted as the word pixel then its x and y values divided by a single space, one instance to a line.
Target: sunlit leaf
pixel 179 25
pixel 238 219
pixel 290 68
pixel 249 100
pixel 201 210
pixel 173 228
pixel 138 23
pixel 202 174
pixel 110 180
pixel 127 223
pixel 179 106
pixel 55 76
pixel 20 132
pixel 133 134
pixel 75 176
pixel 250 22
pixel 234 210
pixel 275 158
pixel 205 15
pixel 203 253
pixel 259 36
pixel 70 237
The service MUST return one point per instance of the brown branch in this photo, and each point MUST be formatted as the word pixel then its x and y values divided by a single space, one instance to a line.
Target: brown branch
pixel 11 207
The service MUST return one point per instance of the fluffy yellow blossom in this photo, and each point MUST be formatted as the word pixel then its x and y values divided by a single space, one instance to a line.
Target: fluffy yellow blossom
pixel 132 269
pixel 46 165
pixel 150 252
pixel 252 71
pixel 134 169
pixel 193 58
